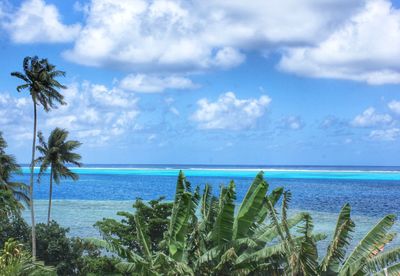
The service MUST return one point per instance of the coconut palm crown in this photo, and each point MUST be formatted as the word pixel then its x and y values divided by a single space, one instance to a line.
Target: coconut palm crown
pixel 56 153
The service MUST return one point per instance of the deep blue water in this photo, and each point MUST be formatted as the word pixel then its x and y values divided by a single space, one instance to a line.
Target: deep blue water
pixel 372 191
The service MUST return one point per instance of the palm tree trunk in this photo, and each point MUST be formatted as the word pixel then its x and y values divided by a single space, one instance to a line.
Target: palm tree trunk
pixel 31 182
pixel 50 194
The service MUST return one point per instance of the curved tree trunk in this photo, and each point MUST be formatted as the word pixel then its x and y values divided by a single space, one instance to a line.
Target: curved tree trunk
pixel 31 182
pixel 50 195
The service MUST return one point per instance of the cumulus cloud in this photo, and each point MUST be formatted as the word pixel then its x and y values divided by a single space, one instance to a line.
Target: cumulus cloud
pixel 370 118
pixel 36 21
pixel 385 134
pixel 292 122
pixel 16 116
pixel 394 106
pixel 340 39
pixel 195 35
pixel 143 83
pixel 95 114
pixel 230 112
pixel 364 49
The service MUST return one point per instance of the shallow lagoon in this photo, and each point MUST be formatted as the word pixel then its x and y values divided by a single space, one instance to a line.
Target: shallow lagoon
pixel 101 192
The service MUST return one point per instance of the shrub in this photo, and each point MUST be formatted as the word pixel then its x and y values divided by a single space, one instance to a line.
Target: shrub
pixel 70 256
pixel 14 226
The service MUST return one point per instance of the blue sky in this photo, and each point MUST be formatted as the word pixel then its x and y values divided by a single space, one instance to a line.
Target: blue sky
pixel 211 82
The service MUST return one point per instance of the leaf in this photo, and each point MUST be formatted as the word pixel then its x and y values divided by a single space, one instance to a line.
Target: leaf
pixel 178 229
pixel 269 233
pixel 117 249
pixel 383 260
pixel 391 270
pixel 273 198
pixel 370 243
pixel 336 251
pixel 250 207
pixel 142 238
pixel 223 227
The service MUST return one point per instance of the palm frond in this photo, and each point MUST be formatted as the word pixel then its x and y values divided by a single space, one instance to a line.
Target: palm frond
pixel 370 243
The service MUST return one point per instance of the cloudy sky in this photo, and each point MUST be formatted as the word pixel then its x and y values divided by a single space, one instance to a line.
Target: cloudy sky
pixel 211 82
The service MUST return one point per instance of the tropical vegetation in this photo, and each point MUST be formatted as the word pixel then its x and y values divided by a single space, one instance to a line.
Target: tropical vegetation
pixel 208 236
pixel 14 260
pixel 39 77
pixel 8 167
pixel 57 153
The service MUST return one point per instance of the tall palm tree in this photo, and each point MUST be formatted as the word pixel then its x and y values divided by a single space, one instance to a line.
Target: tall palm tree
pixel 57 152
pixel 39 78
pixel 8 167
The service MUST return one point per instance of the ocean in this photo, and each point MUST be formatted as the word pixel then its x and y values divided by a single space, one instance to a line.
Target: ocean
pixel 102 190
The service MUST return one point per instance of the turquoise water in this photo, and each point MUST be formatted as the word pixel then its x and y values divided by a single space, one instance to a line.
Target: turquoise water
pixel 101 192
pixel 81 215
pixel 269 173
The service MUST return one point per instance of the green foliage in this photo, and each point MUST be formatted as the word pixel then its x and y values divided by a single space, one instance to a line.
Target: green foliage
pixel 213 239
pixel 155 214
pixel 39 77
pixel 70 256
pixel 13 226
pixel 14 260
pixel 8 167
pixel 203 235
pixel 206 245
pixel 57 153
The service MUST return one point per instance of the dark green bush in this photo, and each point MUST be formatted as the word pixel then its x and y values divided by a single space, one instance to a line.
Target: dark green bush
pixel 70 256
pixel 14 226
pixel 155 213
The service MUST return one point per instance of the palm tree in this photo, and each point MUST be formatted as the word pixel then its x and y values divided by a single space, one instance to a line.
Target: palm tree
pixel 39 78
pixel 8 167
pixel 57 152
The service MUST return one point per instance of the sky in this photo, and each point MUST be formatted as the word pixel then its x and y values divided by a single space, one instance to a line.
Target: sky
pixel 278 82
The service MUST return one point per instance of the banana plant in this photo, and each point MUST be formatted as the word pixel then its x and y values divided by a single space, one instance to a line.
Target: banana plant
pixel 239 240
pixel 150 262
pixel 278 250
pixel 14 260
pixel 368 257
pixel 207 235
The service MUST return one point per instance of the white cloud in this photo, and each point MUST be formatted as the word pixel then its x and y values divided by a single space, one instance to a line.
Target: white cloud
pixel 292 122
pixel 36 21
pixel 229 112
pixel 174 111
pixel 14 110
pixel 385 134
pixel 228 57
pixel 364 49
pixel 340 39
pixel 94 113
pixel 143 83
pixel 175 35
pixel 394 106
pixel 151 137
pixel 370 118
